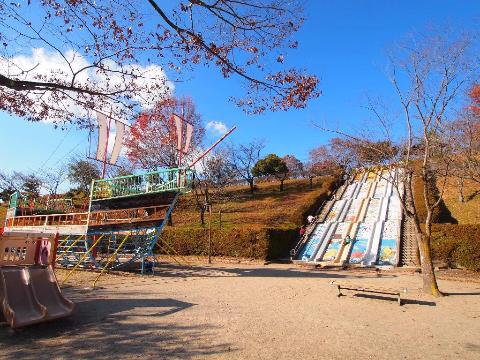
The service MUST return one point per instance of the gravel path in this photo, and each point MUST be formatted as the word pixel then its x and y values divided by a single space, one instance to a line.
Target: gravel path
pixel 240 311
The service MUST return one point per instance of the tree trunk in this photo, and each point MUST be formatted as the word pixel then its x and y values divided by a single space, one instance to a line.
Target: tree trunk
pixel 461 197
pixel 311 182
pixel 430 285
pixel 202 215
pixel 250 183
pixel 281 185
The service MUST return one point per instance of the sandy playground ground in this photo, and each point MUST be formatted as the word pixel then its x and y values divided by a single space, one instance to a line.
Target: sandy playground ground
pixel 254 311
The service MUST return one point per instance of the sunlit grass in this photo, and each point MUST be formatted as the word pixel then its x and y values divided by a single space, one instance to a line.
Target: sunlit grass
pixel 266 207
pixel 469 211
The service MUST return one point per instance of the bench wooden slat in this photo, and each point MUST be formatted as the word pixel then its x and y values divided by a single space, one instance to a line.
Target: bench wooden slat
pixel 372 290
pixel 393 292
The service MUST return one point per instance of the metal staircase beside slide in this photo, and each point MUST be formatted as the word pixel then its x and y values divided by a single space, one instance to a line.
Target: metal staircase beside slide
pixel 409 247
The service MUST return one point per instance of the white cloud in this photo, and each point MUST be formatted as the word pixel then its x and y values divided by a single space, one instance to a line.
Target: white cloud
pixel 42 65
pixel 216 127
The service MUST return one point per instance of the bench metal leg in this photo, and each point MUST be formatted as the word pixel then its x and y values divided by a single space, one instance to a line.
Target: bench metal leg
pixel 339 291
pixel 399 300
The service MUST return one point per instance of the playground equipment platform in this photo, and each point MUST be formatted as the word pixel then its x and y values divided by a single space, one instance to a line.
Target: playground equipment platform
pixel 29 291
pixel 125 217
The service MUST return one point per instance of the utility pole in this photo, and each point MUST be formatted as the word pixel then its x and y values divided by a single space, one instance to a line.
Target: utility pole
pixel 209 209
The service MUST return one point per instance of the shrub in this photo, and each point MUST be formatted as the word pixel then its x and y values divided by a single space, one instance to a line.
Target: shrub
pixel 255 242
pixel 260 226
pixel 3 214
pixel 457 245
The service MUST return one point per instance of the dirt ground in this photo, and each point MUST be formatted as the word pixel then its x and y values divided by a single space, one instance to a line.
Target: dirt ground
pixel 255 311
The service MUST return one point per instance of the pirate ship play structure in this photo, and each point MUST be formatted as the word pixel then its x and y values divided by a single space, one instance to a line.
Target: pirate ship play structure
pixel 125 214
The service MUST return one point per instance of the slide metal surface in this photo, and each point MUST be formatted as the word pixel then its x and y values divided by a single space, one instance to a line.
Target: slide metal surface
pixel 29 292
pixel 361 241
pixel 316 237
pixel 369 213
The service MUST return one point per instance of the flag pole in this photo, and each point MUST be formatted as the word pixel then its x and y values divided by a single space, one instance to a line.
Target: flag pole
pixel 211 147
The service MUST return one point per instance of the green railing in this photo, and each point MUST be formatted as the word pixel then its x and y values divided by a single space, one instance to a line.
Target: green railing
pixel 176 180
pixel 14 200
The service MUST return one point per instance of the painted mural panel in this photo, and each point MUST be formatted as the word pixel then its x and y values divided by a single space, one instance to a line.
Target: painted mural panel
pixel 364 190
pixel 336 208
pixel 352 212
pixel 388 243
pixel 313 242
pixel 335 242
pixel 360 242
pixel 373 210
pixel 380 189
pixel 394 209
pixel 349 191
pixel 358 176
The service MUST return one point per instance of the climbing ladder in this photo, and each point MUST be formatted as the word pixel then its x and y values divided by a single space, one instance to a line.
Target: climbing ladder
pixel 71 249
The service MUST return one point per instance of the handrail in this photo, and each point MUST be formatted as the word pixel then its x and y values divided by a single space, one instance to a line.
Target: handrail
pixel 311 226
pixel 178 179
pixel 48 220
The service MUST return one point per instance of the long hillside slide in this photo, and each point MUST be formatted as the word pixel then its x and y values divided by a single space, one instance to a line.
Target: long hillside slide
pixel 362 227
pixel 29 291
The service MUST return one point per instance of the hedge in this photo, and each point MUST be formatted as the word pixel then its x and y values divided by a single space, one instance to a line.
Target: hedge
pixel 457 245
pixel 253 242
pixel 267 239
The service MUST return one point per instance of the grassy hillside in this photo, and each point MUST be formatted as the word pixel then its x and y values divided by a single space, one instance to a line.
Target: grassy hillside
pixel 468 212
pixel 266 207
pixel 456 225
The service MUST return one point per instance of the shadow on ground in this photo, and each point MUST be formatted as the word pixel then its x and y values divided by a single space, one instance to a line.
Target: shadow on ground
pixel 176 270
pixel 461 293
pixel 109 328
pixel 404 301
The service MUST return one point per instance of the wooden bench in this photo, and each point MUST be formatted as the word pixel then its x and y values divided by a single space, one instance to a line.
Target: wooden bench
pixel 382 291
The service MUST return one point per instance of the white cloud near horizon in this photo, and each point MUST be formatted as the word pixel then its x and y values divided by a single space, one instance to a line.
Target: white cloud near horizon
pixel 216 127
pixel 43 64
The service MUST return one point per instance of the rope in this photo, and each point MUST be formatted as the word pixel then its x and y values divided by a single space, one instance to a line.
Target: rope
pixel 55 150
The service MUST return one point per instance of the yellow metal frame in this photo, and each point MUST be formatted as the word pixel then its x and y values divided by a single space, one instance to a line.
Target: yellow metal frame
pixel 65 240
pixel 111 257
pixel 81 259
pixel 72 245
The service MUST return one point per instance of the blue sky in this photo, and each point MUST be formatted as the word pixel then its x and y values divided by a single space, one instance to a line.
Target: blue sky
pixel 343 42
